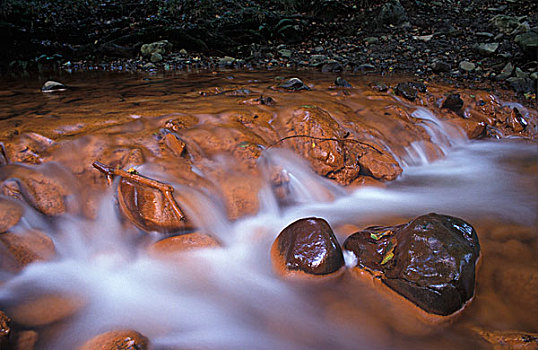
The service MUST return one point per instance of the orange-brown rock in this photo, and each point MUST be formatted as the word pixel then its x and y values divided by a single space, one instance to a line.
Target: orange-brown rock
pixel 5 330
pixel 148 208
pixel 22 248
pixel 44 309
pixel 509 340
pixel 307 247
pixel 170 246
pixel 24 340
pixel 380 165
pixel 10 213
pixel 117 340
pixel 472 128
pixel 46 193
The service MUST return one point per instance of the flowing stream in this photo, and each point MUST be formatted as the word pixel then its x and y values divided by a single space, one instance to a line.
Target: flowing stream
pixel 229 297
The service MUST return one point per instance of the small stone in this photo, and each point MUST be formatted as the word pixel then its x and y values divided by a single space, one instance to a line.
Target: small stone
pixel 342 82
pixel 424 38
pixel 379 86
pixel 406 90
pixel 521 74
pixel 430 261
pixel 161 47
pixel 149 66
pixel 453 102
pixel 440 66
pixel 467 66
pixel 226 62
pixel 392 12
pixel 117 340
pixel 285 53
pixel 53 86
pixel 332 66
pixel 534 76
pixel 506 72
pixel 487 49
pixel 156 57
pixel 183 52
pixel 371 40
pixel 308 246
pixel 521 84
pixel 516 121
pixel 294 84
pixel 485 35
pixel 366 67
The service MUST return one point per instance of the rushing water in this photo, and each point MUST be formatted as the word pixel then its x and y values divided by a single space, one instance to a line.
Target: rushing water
pixel 229 297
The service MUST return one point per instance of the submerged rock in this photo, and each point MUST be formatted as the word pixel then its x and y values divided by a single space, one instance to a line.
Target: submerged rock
pixel 10 213
pixel 172 245
pixel 429 261
pixel 307 246
pixel 20 249
pixel 294 84
pixel 117 340
pixel 342 82
pixel 453 102
pixel 39 310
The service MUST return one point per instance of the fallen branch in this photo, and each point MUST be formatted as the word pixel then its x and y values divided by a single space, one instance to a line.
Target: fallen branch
pixel 166 189
pixel 326 139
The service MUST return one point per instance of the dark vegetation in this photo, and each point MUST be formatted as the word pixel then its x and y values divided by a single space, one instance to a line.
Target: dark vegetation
pixel 413 36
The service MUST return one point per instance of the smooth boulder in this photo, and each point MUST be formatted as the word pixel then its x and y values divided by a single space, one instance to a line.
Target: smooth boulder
pixel 307 246
pixel 117 340
pixel 430 261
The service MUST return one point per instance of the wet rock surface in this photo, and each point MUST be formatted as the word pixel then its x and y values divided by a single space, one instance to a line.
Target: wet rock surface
pixel 170 246
pixel 117 340
pixel 309 246
pixel 430 261
pixel 10 213
pixel 23 248
pixel 5 330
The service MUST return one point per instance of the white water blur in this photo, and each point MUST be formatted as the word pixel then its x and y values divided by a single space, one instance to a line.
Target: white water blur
pixel 229 297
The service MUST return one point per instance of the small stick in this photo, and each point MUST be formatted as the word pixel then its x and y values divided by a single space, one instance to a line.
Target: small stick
pixel 166 189
pixel 326 139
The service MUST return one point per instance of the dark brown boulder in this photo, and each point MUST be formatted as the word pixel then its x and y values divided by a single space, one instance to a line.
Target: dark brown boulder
pixel 430 260
pixel 117 340
pixel 308 246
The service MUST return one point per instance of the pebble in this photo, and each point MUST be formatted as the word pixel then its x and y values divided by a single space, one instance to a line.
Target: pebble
pixel 53 86
pixel 467 66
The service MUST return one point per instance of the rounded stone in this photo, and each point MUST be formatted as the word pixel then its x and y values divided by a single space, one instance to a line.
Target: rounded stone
pixel 10 213
pixel 170 246
pixel 430 261
pixel 308 246
pixel 117 340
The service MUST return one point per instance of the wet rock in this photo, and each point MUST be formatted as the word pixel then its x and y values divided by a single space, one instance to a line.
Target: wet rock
pixel 381 166
pixel 509 339
pixel 392 12
pixel 308 246
pixel 285 53
pixel 440 66
pixel 528 42
pixel 430 261
pixel 521 84
pixel 407 91
pixel 53 86
pixel 371 40
pixel 379 86
pixel 117 340
pixel 5 330
pixel 516 121
pixel 40 310
pixel 332 66
pixel 453 102
pixel 341 82
pixel 156 57
pixel 294 84
pixel 23 248
pixel 148 208
pixel 322 146
pixel 487 49
pixel 521 74
pixel 227 62
pixel 10 213
pixel 47 192
pixel 509 24
pixel 467 66
pixel 472 128
pixel 172 245
pixel 149 66
pixel 158 47
pixel 366 67
pixel 24 340
pixel 506 72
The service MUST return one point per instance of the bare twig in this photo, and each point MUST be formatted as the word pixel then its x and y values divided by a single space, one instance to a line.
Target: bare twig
pixel 326 139
pixel 166 189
